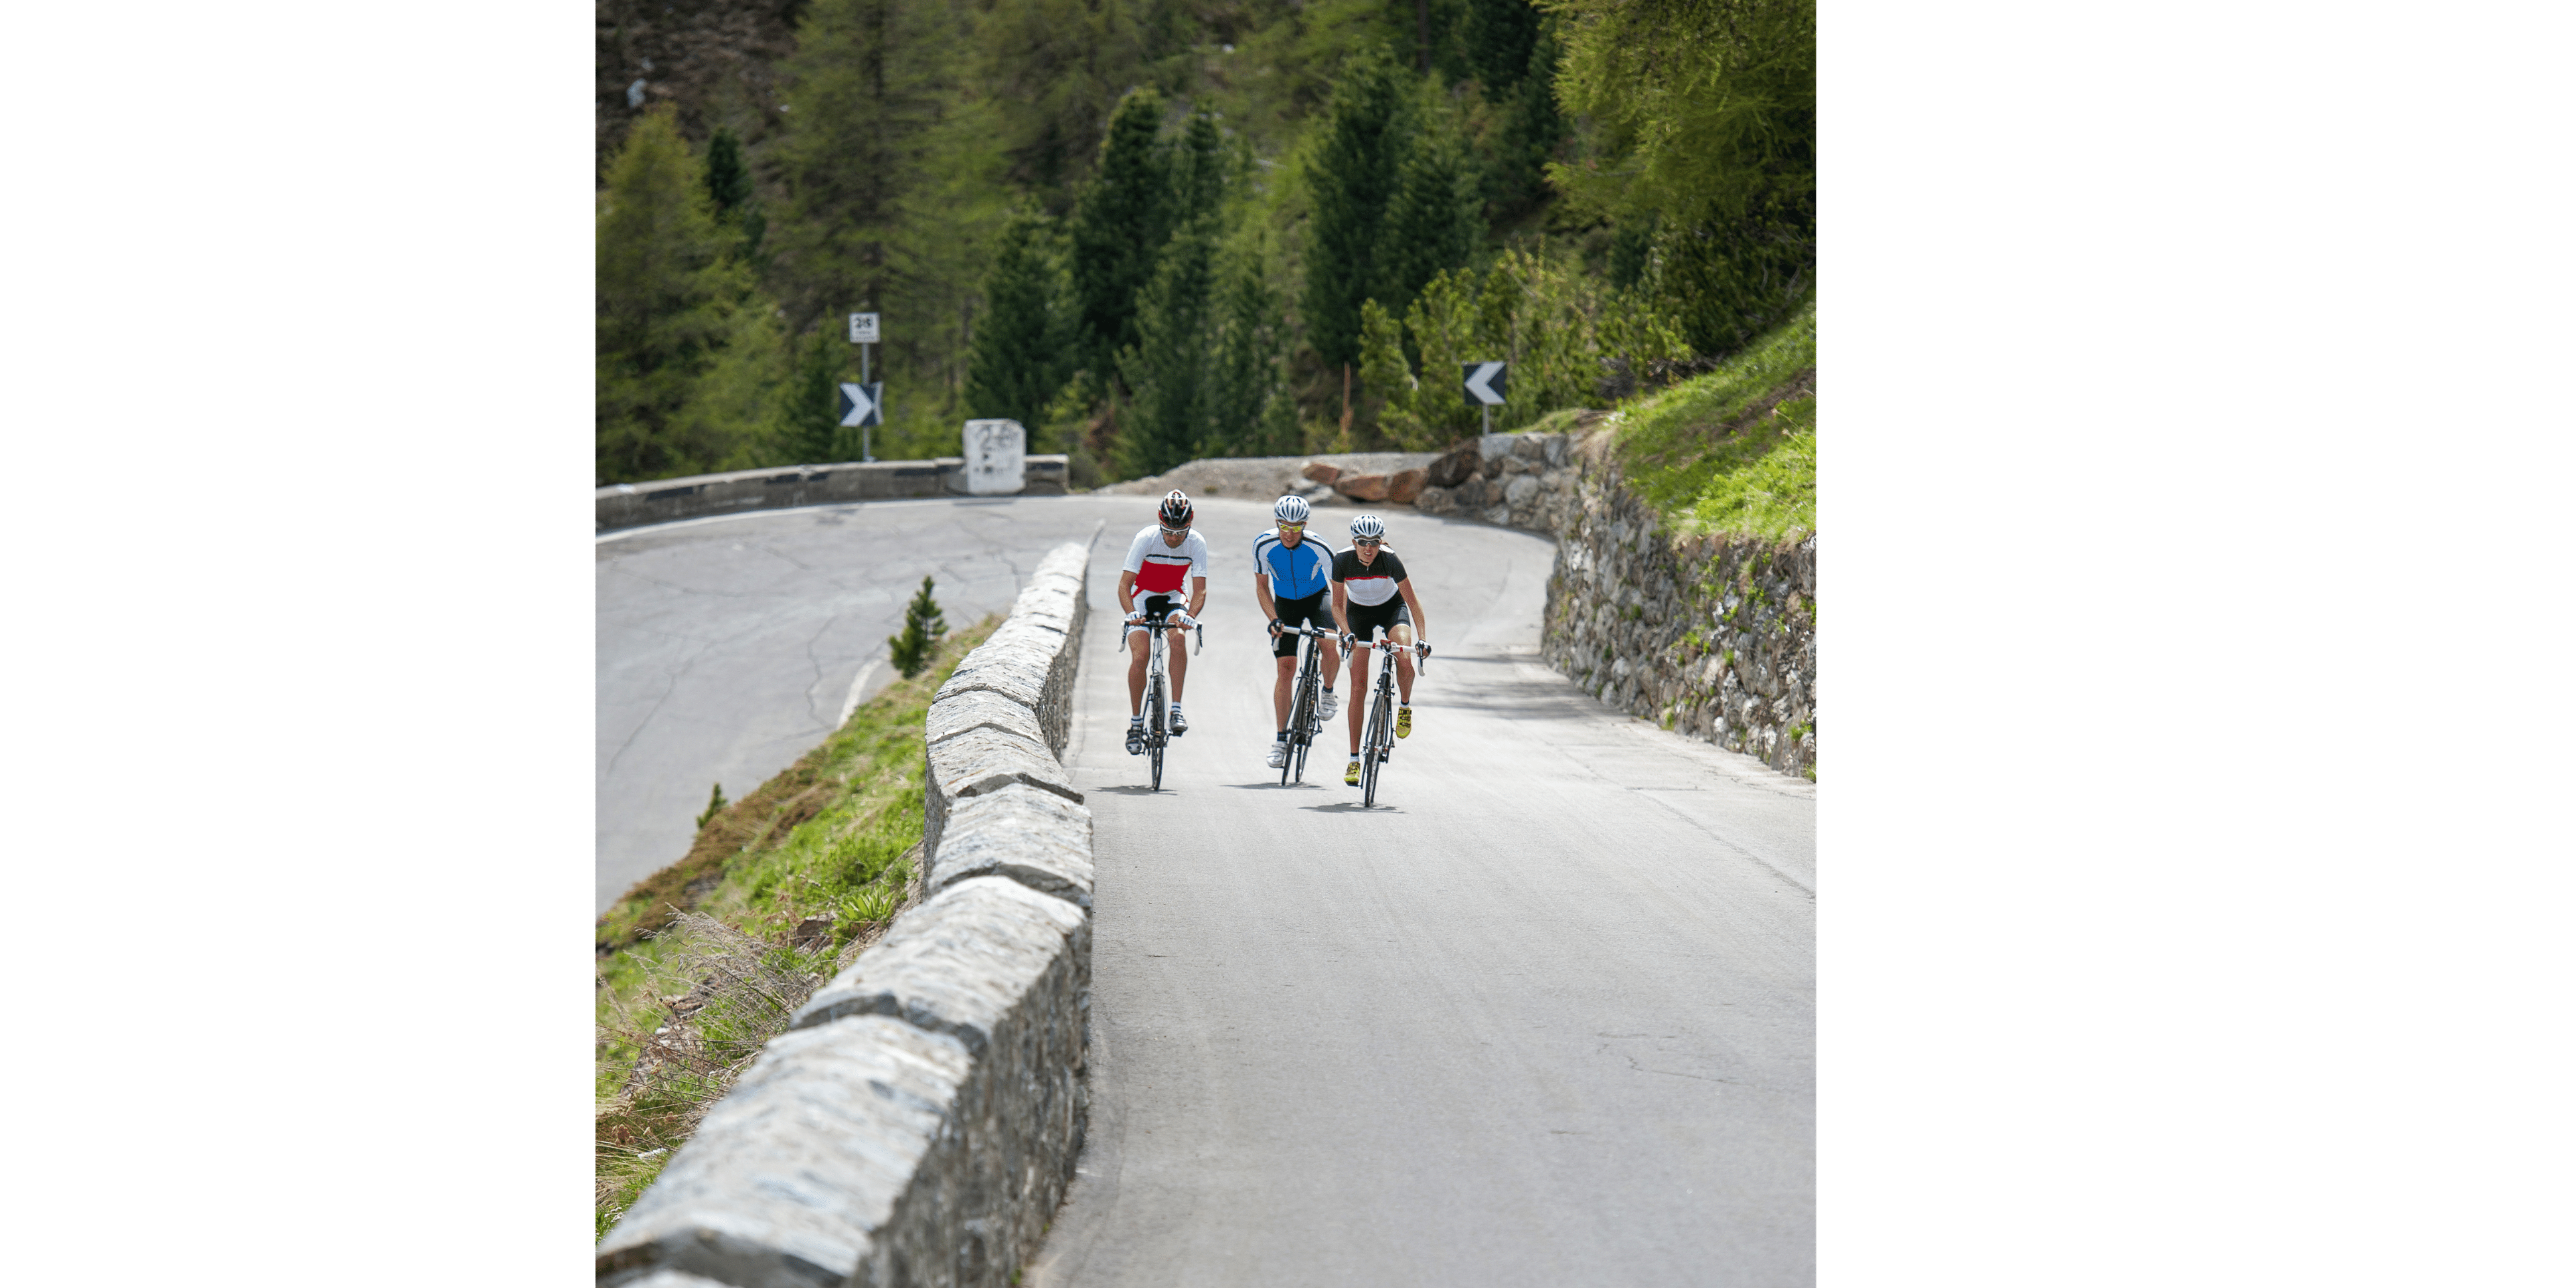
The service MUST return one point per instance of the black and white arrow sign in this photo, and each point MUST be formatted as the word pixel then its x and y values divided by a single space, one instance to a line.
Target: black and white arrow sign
pixel 860 404
pixel 1485 382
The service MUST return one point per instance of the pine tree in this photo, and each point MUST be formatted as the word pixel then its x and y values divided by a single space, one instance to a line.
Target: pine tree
pixel 1354 172
pixel 809 428
pixel 1167 366
pixel 1119 226
pixel 1434 219
pixel 1016 363
pixel 669 301
pixel 922 627
pixel 1243 378
pixel 728 181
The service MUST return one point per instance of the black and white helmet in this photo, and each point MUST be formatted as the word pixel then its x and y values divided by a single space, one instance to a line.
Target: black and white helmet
pixel 1368 527
pixel 1291 509
pixel 1175 511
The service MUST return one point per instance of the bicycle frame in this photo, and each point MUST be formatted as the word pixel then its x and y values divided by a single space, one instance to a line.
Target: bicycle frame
pixel 1305 701
pixel 1158 707
pixel 1377 742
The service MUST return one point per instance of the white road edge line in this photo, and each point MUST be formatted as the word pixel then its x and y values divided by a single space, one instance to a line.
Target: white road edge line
pixel 614 534
pixel 857 687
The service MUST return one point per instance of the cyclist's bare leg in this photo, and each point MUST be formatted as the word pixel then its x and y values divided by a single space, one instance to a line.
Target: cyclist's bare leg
pixel 1178 661
pixel 1403 635
pixel 1279 695
pixel 1359 696
pixel 1137 643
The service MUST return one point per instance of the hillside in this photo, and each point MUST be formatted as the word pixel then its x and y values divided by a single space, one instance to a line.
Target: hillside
pixel 1183 229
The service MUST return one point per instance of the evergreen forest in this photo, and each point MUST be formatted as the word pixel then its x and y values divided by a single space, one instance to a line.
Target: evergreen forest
pixel 1151 230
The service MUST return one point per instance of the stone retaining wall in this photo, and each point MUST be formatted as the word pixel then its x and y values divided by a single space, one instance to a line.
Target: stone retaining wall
pixel 628 505
pixel 919 1121
pixel 1711 636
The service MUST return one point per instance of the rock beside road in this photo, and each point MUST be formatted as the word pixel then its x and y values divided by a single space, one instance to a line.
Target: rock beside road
pixel 1264 478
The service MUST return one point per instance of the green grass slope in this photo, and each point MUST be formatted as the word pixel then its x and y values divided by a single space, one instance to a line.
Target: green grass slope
pixel 1733 451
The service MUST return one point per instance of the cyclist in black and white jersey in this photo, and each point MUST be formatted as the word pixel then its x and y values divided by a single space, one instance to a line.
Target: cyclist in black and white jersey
pixel 1371 591
pixel 1164 555
pixel 1291 573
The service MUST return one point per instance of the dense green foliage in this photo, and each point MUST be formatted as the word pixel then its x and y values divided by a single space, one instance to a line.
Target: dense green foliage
pixel 1153 232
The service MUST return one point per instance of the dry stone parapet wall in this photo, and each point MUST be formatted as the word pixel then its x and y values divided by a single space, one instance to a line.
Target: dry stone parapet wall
pixel 919 1121
pixel 1713 636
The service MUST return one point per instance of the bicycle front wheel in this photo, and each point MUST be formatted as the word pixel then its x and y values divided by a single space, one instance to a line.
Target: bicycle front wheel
pixel 1369 757
pixel 1157 731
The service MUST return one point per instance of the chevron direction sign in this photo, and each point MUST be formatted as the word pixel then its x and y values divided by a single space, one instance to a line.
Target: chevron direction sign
pixel 1485 382
pixel 860 404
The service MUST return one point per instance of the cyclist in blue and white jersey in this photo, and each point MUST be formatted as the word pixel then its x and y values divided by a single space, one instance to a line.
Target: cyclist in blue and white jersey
pixel 1164 554
pixel 1370 592
pixel 1290 574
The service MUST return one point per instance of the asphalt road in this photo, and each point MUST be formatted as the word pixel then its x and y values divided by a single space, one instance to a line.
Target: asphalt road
pixel 729 647
pixel 1544 1016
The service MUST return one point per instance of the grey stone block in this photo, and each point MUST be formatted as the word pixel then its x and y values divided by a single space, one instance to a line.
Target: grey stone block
pixel 790 1176
pixel 980 709
pixel 1017 672
pixel 963 963
pixel 1036 838
pixel 979 761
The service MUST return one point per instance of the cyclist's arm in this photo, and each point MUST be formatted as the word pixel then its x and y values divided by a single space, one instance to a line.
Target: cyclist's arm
pixel 1421 623
pixel 1261 594
pixel 1126 592
pixel 1341 608
pixel 1198 595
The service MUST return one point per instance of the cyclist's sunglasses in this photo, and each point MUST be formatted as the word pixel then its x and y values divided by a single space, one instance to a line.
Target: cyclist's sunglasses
pixel 1169 528
pixel 1370 542
pixel 1292 527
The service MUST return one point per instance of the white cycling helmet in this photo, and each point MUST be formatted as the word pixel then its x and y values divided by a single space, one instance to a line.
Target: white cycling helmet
pixel 1291 509
pixel 1370 526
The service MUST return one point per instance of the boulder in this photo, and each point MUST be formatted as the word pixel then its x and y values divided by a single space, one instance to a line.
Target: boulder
pixel 1362 487
pixel 1404 485
pixel 1456 467
pixel 1322 472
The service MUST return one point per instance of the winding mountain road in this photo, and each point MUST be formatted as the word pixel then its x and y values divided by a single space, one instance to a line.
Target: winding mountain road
pixel 1546 1015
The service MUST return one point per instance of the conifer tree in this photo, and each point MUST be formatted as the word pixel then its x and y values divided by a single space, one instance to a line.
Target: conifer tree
pixel 1434 219
pixel 922 627
pixel 810 431
pixel 1167 366
pixel 669 301
pixel 1016 363
pixel 728 180
pixel 1354 172
pixel 1119 226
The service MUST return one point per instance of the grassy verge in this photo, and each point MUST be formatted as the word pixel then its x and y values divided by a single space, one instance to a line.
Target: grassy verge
pixel 703 961
pixel 1733 451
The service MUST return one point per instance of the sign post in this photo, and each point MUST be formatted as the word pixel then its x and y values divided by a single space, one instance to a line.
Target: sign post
pixel 1484 385
pixel 863 333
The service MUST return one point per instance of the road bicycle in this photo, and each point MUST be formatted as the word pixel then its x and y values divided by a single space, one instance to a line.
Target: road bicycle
pixel 1158 705
pixel 1305 702
pixel 1377 740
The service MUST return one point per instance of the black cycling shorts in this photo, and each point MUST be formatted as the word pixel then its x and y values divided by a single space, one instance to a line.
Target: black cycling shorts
pixel 1386 616
pixel 1158 605
pixel 1313 610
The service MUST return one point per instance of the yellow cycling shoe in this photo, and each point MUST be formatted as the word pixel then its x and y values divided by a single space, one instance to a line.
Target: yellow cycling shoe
pixel 1403 721
pixel 1352 774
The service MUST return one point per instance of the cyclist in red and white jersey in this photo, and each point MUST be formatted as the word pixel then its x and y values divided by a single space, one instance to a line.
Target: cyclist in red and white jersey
pixel 1165 554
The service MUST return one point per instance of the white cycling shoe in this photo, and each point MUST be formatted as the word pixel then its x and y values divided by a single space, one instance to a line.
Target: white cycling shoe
pixel 1330 702
pixel 1278 755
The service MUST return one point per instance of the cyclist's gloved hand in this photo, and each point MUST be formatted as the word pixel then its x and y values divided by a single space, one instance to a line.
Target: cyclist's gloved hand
pixel 1424 645
pixel 1349 640
pixel 1136 615
pixel 1276 626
